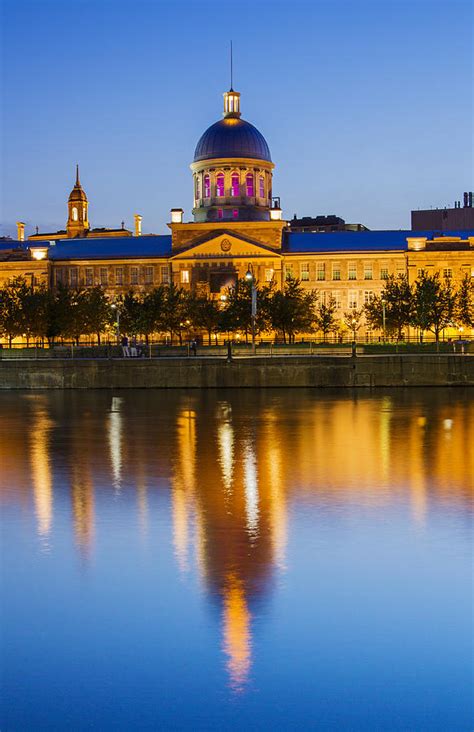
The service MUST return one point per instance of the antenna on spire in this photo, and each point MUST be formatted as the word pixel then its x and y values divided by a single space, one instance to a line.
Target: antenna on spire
pixel 78 183
pixel 231 68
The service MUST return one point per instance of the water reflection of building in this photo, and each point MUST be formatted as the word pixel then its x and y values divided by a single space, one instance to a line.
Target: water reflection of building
pixel 236 462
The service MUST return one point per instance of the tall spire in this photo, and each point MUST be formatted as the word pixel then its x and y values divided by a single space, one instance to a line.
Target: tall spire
pixel 78 182
pixel 231 68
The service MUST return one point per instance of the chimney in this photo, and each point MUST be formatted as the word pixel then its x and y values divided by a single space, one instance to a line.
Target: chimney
pixel 470 199
pixel 138 224
pixel 465 199
pixel 20 231
pixel 177 215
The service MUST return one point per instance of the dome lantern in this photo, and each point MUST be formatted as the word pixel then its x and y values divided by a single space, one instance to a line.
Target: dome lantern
pixel 231 103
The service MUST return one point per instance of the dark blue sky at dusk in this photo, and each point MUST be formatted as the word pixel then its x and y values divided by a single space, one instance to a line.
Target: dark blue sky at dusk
pixel 366 106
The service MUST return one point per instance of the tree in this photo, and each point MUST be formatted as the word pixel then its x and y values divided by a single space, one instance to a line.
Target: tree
pixel 95 307
pixel 205 313
pixel 397 299
pixel 353 321
pixel 151 312
pixel 464 307
pixel 433 304
pixel 325 317
pixel 12 295
pixel 176 313
pixel 292 310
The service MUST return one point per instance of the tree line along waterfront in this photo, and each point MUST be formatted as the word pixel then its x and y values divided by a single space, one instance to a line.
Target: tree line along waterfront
pixel 39 315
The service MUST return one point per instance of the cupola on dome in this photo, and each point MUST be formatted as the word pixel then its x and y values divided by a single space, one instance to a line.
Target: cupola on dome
pixel 232 137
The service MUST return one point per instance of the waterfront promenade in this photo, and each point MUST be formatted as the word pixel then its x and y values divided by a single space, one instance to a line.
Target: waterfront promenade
pixel 322 371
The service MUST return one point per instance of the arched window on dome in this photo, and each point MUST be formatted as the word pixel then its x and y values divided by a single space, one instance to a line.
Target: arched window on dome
pixel 220 185
pixel 74 214
pixel 207 186
pixel 235 184
pixel 261 186
pixel 198 188
pixel 249 185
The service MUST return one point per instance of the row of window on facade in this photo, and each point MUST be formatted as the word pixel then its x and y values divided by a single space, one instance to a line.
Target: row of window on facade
pixel 335 272
pixel 249 186
pixel 91 276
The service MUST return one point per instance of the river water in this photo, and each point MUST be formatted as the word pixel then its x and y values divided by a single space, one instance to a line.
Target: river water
pixel 275 559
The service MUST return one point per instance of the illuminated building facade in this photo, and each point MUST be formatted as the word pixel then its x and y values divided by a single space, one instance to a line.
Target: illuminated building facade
pixel 237 223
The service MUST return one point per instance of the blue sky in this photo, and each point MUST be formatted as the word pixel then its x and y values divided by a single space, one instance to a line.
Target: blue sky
pixel 366 106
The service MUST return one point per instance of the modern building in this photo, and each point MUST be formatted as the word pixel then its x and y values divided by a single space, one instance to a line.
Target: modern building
pixel 459 217
pixel 237 223
pixel 323 224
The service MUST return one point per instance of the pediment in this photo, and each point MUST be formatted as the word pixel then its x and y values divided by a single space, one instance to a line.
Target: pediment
pixel 225 245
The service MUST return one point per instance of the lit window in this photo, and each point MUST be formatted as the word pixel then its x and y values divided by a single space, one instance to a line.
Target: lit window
pixel 261 187
pixel 165 275
pixel 321 271
pixel 119 275
pixel 288 271
pixel 352 299
pixel 336 296
pixel 103 274
pixel 74 214
pixel 198 188
pixel 207 186
pixel 134 275
pixel 384 273
pixel 352 271
pixel 73 277
pixel 447 272
pixel 84 213
pixel 368 273
pixel 185 276
pixel 249 185
pixel 220 185
pixel 235 214
pixel 89 279
pixel 419 272
pixel 268 275
pixel 368 296
pixel 220 213
pixel 304 270
pixel 235 184
pixel 148 275
pixel 336 271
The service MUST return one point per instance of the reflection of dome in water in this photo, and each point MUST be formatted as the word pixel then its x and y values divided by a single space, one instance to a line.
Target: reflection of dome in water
pixel 232 137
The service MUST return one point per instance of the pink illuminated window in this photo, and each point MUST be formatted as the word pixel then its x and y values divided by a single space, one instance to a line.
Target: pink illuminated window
pixel 220 184
pixel 235 184
pixel 249 185
pixel 235 214
pixel 207 186
pixel 220 213
pixel 261 187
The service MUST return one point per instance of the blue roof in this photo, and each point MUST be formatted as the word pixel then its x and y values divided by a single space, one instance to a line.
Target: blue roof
pixel 232 137
pixel 357 241
pixel 111 247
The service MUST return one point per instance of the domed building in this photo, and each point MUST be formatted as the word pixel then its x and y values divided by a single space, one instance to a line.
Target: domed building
pixel 232 169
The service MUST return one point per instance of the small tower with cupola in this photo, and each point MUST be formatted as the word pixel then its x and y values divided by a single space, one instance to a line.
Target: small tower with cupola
pixel 77 206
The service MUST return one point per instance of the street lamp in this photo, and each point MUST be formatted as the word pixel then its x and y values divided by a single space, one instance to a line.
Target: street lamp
pixel 116 308
pixel 384 302
pixel 250 277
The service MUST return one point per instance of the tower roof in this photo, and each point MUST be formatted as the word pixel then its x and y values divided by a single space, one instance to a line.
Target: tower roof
pixel 232 137
pixel 77 193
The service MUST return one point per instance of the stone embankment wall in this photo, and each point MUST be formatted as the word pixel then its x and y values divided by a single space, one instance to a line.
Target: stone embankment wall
pixel 316 371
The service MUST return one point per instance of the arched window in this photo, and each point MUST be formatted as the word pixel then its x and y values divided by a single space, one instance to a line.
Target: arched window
pixel 235 184
pixel 220 185
pixel 198 188
pixel 74 214
pixel 249 185
pixel 84 213
pixel 207 186
pixel 261 187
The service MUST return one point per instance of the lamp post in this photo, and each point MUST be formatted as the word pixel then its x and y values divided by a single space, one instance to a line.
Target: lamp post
pixel 250 277
pixel 384 303
pixel 116 308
